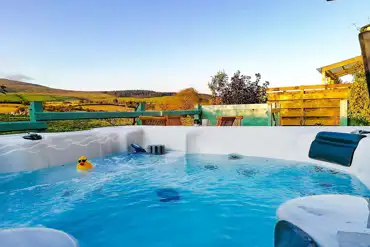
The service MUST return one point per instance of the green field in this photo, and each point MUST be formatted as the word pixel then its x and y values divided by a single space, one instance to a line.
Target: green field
pixel 22 97
pixel 10 98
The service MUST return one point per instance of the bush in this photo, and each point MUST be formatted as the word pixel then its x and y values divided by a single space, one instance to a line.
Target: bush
pixel 240 89
pixel 359 103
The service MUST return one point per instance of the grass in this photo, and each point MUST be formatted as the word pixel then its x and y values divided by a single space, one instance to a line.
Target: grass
pixel 12 118
pixel 38 97
pixel 10 98
pixel 69 125
pixel 77 125
pixel 21 97
pixel 45 97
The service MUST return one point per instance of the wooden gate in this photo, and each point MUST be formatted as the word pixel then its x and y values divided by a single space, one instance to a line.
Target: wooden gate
pixel 310 105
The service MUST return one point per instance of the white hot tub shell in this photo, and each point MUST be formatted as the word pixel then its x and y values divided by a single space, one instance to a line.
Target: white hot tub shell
pixel 288 143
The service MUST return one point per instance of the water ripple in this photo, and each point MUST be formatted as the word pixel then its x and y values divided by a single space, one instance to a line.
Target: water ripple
pixel 228 206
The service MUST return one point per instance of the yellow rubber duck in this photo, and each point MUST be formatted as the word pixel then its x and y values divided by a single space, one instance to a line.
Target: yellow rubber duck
pixel 83 164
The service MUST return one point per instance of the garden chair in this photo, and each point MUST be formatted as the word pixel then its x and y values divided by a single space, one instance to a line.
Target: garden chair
pixel 157 121
pixel 161 121
pixel 229 121
pixel 173 121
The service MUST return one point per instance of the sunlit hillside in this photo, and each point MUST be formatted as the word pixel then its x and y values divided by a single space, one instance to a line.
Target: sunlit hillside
pixel 20 94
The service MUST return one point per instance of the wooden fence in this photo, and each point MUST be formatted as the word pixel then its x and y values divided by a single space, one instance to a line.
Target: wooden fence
pixel 310 105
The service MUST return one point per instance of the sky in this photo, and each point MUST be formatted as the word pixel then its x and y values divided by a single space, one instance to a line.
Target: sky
pixel 168 45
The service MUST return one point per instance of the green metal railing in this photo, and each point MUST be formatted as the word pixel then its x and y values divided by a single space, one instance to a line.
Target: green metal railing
pixel 39 118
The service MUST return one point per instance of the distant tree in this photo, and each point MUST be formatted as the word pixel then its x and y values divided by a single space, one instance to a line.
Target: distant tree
pixel 3 89
pixel 218 85
pixel 239 90
pixel 188 98
pixel 115 101
pixel 184 100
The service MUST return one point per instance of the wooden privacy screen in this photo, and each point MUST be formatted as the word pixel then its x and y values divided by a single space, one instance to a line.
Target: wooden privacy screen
pixel 308 105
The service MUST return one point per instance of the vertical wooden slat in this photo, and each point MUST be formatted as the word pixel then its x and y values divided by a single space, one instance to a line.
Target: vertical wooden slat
pixel 269 114
pixel 343 113
pixel 302 107
pixel 278 114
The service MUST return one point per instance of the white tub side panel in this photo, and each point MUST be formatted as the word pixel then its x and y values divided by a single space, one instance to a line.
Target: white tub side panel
pixel 173 137
pixel 17 154
pixel 290 143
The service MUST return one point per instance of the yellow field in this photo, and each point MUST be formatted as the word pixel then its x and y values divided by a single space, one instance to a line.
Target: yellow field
pixel 8 108
pixel 106 108
pixel 151 100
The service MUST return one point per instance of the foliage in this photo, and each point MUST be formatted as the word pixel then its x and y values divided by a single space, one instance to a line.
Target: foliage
pixel 359 103
pixel 188 98
pixel 239 90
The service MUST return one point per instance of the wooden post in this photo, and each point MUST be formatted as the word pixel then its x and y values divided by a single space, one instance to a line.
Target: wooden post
pixel 302 108
pixel 323 76
pixel 278 115
pixel 141 107
pixel 275 114
pixel 198 116
pixel 35 107
pixel 364 38
pixel 269 115
pixel 343 112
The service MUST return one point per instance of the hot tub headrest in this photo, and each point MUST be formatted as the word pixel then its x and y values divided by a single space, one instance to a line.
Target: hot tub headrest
pixel 335 147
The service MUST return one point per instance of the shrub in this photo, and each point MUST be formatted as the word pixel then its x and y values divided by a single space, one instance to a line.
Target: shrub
pixel 240 89
pixel 359 103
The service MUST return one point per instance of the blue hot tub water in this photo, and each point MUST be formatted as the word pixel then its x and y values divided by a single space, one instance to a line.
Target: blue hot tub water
pixel 171 200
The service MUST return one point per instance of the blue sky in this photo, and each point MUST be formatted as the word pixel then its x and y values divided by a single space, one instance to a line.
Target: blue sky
pixel 167 45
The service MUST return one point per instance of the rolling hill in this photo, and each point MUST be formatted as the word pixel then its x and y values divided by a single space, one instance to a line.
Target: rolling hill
pixel 24 87
pixel 22 91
